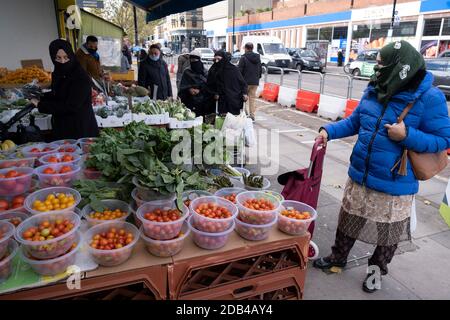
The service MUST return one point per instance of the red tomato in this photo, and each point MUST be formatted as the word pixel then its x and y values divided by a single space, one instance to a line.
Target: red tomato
pixel 35 150
pixel 49 171
pixel 46 149
pixel 65 169
pixel 53 159
pixel 67 158
pixel 12 174
pixel 18 200
pixel 2 176
pixel 4 205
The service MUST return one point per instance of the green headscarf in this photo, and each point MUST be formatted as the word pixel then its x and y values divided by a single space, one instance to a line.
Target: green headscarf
pixel 401 62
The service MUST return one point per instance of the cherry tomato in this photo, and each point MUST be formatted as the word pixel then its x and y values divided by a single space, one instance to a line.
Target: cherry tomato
pixel 65 169
pixel 67 158
pixel 49 171
pixel 4 205
pixel 53 159
pixel 12 174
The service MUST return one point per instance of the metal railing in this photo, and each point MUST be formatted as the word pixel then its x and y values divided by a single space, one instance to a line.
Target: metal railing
pixel 350 93
pixel 299 85
pixel 349 82
pixel 266 73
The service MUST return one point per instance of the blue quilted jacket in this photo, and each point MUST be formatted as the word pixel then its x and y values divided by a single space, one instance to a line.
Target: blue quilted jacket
pixel 374 154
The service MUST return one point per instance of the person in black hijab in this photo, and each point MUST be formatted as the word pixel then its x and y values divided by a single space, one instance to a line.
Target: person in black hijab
pixel 70 100
pixel 226 84
pixel 193 91
pixel 153 71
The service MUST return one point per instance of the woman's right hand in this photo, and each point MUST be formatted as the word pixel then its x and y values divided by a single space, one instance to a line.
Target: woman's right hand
pixel 323 134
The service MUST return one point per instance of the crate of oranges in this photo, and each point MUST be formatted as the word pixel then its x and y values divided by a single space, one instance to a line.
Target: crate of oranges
pixel 24 76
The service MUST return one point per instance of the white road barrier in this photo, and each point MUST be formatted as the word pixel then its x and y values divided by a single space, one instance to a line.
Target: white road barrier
pixel 287 96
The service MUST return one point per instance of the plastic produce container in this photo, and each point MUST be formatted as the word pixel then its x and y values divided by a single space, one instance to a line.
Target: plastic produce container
pixel 109 258
pixel 227 192
pixel 65 142
pixel 266 185
pixel 19 163
pixel 277 195
pixel 76 158
pixel 210 241
pixel 55 266
pixel 92 174
pixel 14 217
pixel 6 232
pixel 139 201
pixel 48 249
pixel 85 144
pixel 110 205
pixel 254 232
pixel 161 230
pixel 27 151
pixel 42 195
pixel 57 179
pixel 69 148
pixel 166 248
pixel 252 216
pixel 10 187
pixel 6 263
pixel 295 226
pixel 188 196
pixel 211 225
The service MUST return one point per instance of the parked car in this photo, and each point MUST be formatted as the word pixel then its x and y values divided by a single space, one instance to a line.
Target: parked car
pixel 444 54
pixel 305 59
pixel 206 54
pixel 440 68
pixel 369 56
pixel 167 52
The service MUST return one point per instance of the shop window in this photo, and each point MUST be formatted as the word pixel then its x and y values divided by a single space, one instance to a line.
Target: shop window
pixel 325 33
pixel 379 31
pixel 437 65
pixel 360 31
pixel 406 29
pixel 312 34
pixel 432 27
pixel 340 33
pixel 446 27
pixel 194 22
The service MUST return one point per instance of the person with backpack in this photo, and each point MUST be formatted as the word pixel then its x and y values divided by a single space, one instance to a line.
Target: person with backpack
pixel 377 203
pixel 251 69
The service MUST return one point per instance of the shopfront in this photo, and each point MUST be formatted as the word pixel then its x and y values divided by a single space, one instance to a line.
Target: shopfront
pixel 436 36
pixel 335 35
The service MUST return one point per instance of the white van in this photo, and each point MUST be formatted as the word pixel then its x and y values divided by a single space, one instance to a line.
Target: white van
pixel 271 49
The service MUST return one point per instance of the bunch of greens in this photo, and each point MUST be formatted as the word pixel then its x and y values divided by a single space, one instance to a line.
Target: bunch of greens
pixel 253 180
pixel 93 191
pixel 149 107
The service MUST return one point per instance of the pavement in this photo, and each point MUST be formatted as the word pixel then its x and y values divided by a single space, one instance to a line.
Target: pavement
pixel 420 268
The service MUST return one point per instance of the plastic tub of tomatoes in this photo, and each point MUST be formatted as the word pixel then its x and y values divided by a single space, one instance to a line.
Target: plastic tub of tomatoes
pixel 229 193
pixel 9 204
pixel 111 243
pixel 254 232
pixel 69 148
pixel 14 217
pixel 48 235
pixel 85 144
pixel 61 157
pixel 188 196
pixel 57 175
pixel 209 241
pixel 212 214
pixel 19 163
pixel 295 217
pixel 112 210
pixel 6 232
pixel 65 142
pixel 257 207
pixel 56 199
pixel 136 198
pixel 162 220
pixel 166 248
pixel 54 266
pixel 15 181
pixel 6 263
pixel 39 150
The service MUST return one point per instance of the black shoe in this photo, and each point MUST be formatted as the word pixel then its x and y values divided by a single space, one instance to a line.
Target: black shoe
pixel 325 263
pixel 365 284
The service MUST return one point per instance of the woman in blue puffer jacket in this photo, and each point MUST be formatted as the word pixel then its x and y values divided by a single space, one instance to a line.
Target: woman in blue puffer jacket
pixel 376 207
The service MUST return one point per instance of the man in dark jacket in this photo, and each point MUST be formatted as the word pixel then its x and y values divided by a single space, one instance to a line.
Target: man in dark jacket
pixel 89 58
pixel 154 74
pixel 251 69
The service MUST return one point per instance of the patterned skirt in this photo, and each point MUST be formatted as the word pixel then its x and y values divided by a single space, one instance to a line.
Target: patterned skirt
pixel 375 217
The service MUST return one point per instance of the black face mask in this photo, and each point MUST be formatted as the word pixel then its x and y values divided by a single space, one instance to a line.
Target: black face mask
pixel 197 66
pixel 92 51
pixel 63 69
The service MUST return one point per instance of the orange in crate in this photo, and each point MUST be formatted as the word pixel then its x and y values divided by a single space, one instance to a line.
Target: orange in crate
pixel 270 92
pixel 307 101
pixel 351 106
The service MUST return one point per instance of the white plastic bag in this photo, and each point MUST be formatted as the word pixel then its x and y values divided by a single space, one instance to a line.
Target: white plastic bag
pixel 249 131
pixel 413 216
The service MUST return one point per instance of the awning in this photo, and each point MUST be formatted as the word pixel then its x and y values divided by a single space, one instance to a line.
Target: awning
pixel 158 9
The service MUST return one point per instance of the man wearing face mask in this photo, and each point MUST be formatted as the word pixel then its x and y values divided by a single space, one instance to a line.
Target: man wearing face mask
pixel 89 58
pixel 154 74
pixel 193 91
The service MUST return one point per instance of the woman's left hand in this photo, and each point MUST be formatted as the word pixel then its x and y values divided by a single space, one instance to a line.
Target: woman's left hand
pixel 396 132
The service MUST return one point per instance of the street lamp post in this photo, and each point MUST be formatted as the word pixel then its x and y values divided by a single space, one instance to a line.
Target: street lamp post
pixel 391 29
pixel 233 37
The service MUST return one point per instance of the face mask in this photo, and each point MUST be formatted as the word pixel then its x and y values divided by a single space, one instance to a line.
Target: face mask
pixel 64 68
pixel 154 58
pixel 92 51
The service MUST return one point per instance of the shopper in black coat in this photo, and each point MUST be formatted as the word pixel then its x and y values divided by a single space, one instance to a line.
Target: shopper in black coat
pixel 225 83
pixel 251 69
pixel 153 71
pixel 70 100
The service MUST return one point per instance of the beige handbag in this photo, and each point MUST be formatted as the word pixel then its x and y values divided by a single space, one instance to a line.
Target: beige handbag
pixel 425 165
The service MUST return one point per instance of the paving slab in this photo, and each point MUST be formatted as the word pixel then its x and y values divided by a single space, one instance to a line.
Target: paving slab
pixel 429 221
pixel 442 238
